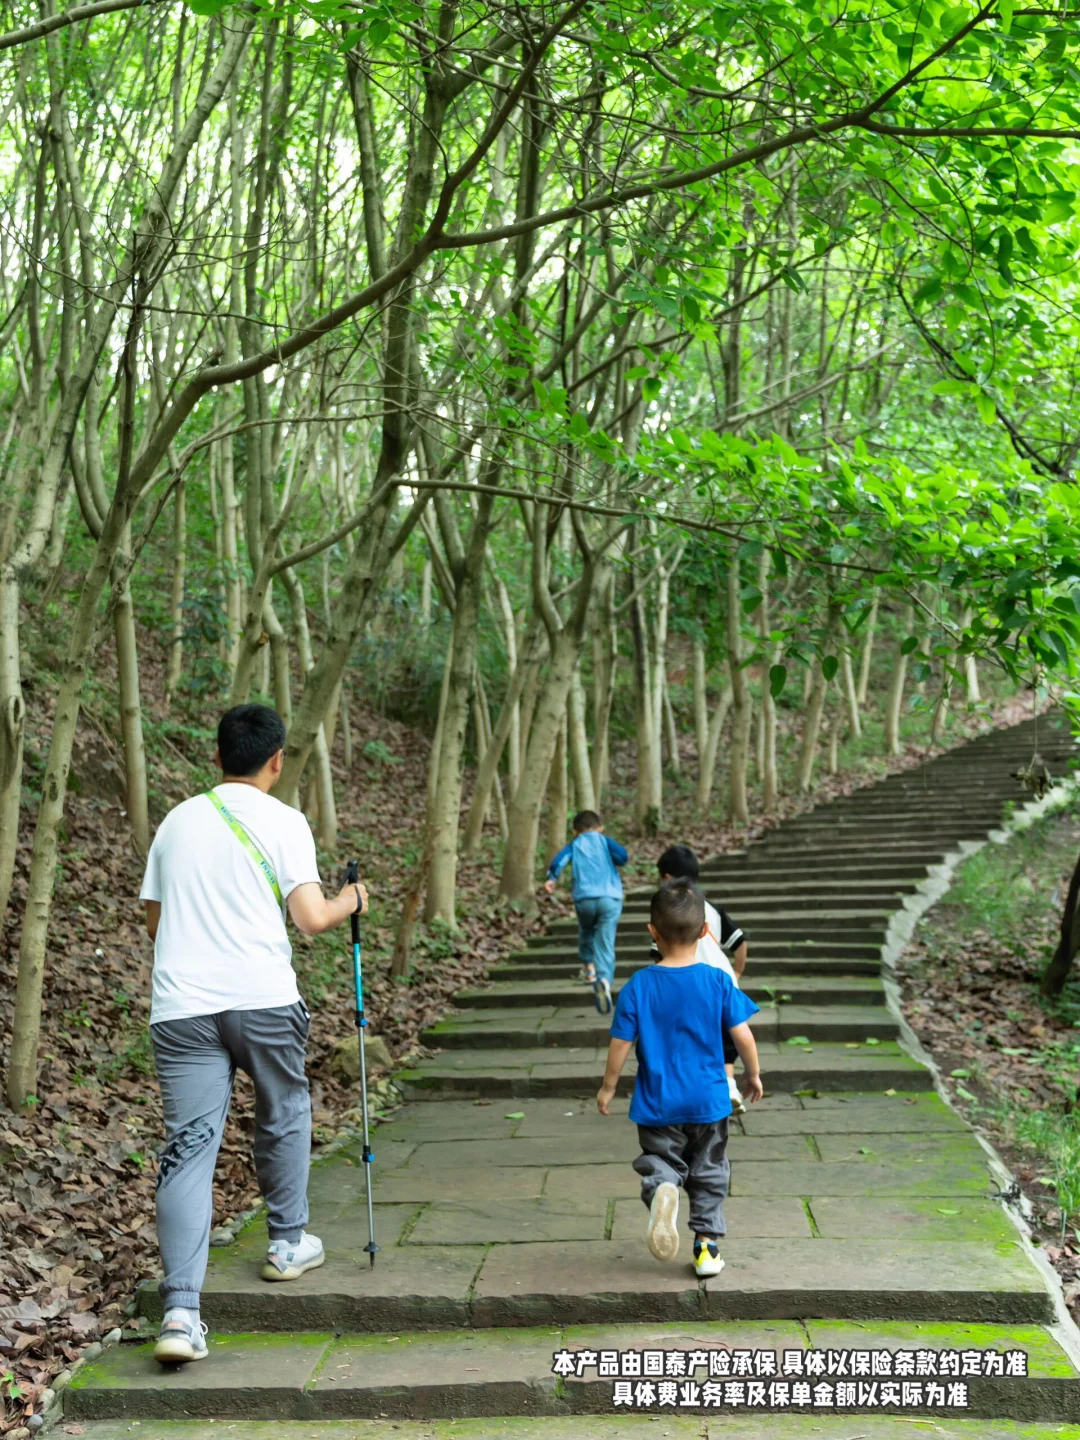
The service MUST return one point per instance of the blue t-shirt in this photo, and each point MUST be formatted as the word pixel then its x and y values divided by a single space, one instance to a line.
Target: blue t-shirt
pixel 677 1015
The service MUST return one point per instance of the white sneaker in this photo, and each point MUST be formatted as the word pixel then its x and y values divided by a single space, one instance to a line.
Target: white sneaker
pixel 288 1261
pixel 738 1104
pixel 182 1337
pixel 602 991
pixel 663 1231
pixel 707 1258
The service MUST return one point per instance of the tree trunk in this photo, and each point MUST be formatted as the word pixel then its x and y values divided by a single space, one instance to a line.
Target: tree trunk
pixel 558 800
pixel 578 746
pixel 833 725
pixel 513 737
pixel 12 724
pixel 647 812
pixel 446 813
pixel 606 653
pixel 941 711
pixel 707 768
pixel 425 593
pixel 234 587
pixel 279 659
pixel 740 692
pixel 1057 972
pixel 26 1021
pixel 671 733
pixel 971 668
pixel 179 575
pixel 767 713
pixel 326 816
pixel 127 664
pixel 482 722
pixel 863 689
pixel 851 697
pixel 346 730
pixel 894 702
pixel 701 701
pixel 811 727
pixel 527 667
pixel 517 883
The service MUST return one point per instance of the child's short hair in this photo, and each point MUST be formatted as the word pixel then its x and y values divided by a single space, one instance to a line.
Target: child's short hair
pixel 678 862
pixel 586 820
pixel 677 912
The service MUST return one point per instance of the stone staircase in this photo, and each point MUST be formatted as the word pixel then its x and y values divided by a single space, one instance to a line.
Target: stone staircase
pixel 862 1212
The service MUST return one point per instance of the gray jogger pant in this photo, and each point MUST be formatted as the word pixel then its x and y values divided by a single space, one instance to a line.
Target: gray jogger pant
pixel 695 1157
pixel 197 1060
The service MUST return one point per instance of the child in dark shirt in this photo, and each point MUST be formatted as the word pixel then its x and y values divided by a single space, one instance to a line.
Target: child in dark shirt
pixel 674 1012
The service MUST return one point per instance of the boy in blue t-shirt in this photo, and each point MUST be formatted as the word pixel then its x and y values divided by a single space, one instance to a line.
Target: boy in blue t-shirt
pixel 676 1012
pixel 598 899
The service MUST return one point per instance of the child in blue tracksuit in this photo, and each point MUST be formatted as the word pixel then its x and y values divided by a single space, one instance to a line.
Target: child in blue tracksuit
pixel 598 899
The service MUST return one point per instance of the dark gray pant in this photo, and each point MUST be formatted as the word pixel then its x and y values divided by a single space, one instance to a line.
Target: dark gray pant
pixel 695 1157
pixel 197 1060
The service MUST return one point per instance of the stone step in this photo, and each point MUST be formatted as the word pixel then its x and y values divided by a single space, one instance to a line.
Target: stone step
pixel 681 1426
pixel 809 859
pixel 564 964
pixel 812 929
pixel 536 1072
pixel 636 904
pixel 805 872
pixel 762 989
pixel 609 1282
pixel 581 1025
pixel 857 830
pixel 418 1375
pixel 783 922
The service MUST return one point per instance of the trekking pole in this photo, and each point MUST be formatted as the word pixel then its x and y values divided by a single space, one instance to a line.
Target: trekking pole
pixel 352 877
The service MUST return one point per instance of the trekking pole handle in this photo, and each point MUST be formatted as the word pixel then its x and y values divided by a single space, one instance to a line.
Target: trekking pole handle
pixel 352 877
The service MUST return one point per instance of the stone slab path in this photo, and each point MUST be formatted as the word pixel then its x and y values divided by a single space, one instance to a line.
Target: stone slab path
pixel 862 1213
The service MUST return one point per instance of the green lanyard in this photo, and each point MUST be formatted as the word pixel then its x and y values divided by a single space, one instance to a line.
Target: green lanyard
pixel 248 844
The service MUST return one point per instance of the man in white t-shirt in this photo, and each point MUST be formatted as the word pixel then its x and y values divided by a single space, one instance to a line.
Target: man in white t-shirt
pixel 222 870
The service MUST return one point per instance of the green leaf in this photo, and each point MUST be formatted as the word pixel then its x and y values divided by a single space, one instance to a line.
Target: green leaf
pixel 650 388
pixel 871 1040
pixel 691 309
pixel 380 31
pixel 909 645
pixel 514 1115
pixel 960 1074
pixel 985 407
pixel 944 1210
pixel 964 1094
pixel 928 290
pixel 1005 14
pixel 829 666
pixel 778 679
pixel 207 7
pixel 798 1040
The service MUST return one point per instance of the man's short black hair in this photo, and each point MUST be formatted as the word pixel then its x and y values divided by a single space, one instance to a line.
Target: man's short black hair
pixel 248 736
pixel 586 820
pixel 678 862
pixel 677 912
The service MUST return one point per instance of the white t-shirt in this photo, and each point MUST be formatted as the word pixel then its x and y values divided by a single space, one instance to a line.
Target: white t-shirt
pixel 221 942
pixel 708 947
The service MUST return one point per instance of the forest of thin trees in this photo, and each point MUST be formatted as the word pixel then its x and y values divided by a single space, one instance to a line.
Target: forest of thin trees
pixel 579 336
